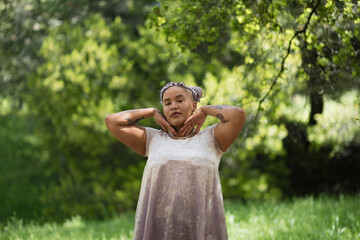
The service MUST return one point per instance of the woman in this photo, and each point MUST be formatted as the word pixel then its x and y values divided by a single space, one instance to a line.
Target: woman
pixel 180 195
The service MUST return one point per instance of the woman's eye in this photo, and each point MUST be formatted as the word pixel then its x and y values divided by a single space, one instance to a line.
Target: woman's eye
pixel 166 104
pixel 180 101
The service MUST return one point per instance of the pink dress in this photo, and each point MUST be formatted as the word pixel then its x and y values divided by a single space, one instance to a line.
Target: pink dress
pixel 180 196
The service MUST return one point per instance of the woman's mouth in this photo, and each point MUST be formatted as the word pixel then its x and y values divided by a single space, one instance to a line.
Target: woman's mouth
pixel 175 114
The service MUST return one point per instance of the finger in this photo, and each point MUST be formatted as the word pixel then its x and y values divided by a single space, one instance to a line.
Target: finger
pixel 188 130
pixel 174 131
pixel 189 119
pixel 183 133
pixel 184 130
pixel 164 128
pixel 171 129
pixel 187 124
pixel 198 128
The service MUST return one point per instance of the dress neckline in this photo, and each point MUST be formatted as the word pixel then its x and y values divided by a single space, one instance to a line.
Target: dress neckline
pixel 181 138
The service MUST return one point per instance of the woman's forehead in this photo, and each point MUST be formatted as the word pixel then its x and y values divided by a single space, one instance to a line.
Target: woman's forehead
pixel 175 92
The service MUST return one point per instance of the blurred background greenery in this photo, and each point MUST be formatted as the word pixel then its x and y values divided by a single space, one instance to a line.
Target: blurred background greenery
pixel 292 65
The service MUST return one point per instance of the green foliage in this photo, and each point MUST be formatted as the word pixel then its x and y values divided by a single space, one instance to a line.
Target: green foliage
pixel 259 35
pixel 72 92
pixel 339 131
pixel 292 65
pixel 199 25
pixel 280 154
pixel 275 51
pixel 22 168
pixel 24 24
pixel 92 69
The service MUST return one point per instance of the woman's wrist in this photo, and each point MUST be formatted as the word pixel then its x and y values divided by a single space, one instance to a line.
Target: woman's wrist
pixel 155 111
pixel 130 117
pixel 222 112
pixel 202 110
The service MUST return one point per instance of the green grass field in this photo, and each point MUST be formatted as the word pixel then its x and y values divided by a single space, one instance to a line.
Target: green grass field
pixel 302 219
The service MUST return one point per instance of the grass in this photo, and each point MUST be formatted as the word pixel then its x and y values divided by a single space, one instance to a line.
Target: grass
pixel 119 228
pixel 302 219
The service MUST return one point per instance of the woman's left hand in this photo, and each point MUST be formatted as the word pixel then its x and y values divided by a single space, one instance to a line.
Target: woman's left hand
pixel 197 119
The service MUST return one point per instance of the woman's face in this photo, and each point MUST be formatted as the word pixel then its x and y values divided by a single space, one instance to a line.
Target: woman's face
pixel 178 105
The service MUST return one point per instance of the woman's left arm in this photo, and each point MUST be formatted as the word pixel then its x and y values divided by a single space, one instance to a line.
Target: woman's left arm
pixel 232 121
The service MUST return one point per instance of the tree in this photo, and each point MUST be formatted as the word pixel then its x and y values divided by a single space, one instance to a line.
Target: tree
pixel 24 24
pixel 324 32
pixel 277 51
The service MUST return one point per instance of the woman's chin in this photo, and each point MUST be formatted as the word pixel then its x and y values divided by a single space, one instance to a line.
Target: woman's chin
pixel 177 124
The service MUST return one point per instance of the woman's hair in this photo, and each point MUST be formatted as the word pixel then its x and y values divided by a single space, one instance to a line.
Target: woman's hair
pixel 197 92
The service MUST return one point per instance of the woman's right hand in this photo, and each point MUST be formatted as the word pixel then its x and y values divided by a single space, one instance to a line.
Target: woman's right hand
pixel 164 124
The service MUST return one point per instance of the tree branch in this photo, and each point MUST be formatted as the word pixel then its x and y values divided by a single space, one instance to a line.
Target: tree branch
pixel 302 31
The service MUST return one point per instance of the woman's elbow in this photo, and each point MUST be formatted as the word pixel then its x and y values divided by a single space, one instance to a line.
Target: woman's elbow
pixel 239 114
pixel 109 120
pixel 243 113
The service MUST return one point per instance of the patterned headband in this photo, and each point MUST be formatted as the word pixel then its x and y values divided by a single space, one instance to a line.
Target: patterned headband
pixel 197 92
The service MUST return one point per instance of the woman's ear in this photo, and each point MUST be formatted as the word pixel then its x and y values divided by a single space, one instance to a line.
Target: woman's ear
pixel 194 106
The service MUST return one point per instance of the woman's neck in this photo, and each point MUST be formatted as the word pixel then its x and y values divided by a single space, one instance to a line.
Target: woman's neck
pixel 192 133
pixel 177 129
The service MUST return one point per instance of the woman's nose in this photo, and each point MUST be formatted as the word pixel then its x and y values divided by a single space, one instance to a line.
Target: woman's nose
pixel 174 106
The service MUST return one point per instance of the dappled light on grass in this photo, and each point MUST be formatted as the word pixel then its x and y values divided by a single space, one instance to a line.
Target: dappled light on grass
pixel 303 218
pixel 308 218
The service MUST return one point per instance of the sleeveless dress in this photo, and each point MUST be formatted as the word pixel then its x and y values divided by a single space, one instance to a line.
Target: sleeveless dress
pixel 180 195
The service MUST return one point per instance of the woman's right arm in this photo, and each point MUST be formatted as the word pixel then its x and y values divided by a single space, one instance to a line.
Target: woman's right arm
pixel 123 126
